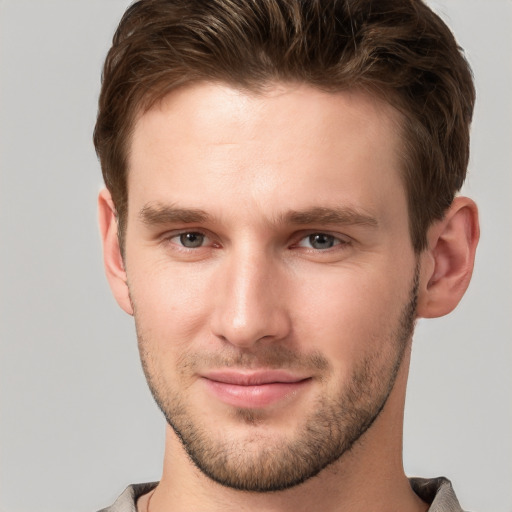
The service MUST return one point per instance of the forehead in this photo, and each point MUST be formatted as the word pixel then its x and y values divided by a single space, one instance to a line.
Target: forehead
pixel 209 141
pixel 293 106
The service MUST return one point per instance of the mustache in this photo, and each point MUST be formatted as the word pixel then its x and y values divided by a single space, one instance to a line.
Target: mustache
pixel 273 357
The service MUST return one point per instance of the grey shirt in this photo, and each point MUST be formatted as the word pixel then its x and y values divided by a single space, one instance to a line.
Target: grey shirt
pixel 436 491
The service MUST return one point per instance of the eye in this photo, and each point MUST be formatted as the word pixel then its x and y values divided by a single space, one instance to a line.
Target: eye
pixel 190 240
pixel 320 241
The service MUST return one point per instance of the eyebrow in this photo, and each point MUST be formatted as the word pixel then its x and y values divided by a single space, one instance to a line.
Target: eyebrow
pixel 321 215
pixel 155 214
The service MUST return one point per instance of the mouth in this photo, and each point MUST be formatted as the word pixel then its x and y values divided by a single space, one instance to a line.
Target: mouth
pixel 255 389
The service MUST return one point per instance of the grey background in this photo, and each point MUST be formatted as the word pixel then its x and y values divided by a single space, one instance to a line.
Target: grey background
pixel 77 423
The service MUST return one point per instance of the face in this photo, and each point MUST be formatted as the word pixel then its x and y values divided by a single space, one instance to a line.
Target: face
pixel 271 274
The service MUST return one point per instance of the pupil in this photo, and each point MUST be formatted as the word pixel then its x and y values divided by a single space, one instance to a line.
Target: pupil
pixel 191 239
pixel 321 241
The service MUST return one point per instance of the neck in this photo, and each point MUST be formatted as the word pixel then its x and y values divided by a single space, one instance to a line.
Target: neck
pixel 368 477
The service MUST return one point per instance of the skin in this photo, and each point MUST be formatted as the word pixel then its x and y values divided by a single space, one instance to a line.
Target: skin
pixel 257 292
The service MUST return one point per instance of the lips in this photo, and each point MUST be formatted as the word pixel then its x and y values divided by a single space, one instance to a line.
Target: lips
pixel 254 389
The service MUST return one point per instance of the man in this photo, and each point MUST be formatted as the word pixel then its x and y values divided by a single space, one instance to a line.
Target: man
pixel 280 209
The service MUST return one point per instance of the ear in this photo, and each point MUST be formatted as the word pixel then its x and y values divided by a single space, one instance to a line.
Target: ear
pixel 447 263
pixel 112 258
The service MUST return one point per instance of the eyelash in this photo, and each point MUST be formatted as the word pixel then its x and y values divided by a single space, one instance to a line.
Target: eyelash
pixel 337 240
pixel 170 239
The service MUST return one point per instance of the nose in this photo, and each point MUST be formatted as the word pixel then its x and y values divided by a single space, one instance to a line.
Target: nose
pixel 250 302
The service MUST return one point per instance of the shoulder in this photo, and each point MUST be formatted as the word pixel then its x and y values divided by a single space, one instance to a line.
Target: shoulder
pixel 438 492
pixel 128 499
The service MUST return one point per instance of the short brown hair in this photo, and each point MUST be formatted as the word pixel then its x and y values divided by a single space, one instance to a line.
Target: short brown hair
pixel 398 49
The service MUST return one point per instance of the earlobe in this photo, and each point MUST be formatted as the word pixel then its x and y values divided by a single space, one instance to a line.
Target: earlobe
pixel 112 258
pixel 447 264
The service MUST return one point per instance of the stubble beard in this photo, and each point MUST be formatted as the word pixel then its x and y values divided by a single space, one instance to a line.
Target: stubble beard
pixel 258 463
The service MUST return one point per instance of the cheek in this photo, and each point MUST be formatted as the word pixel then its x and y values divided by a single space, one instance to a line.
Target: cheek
pixel 170 305
pixel 351 315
